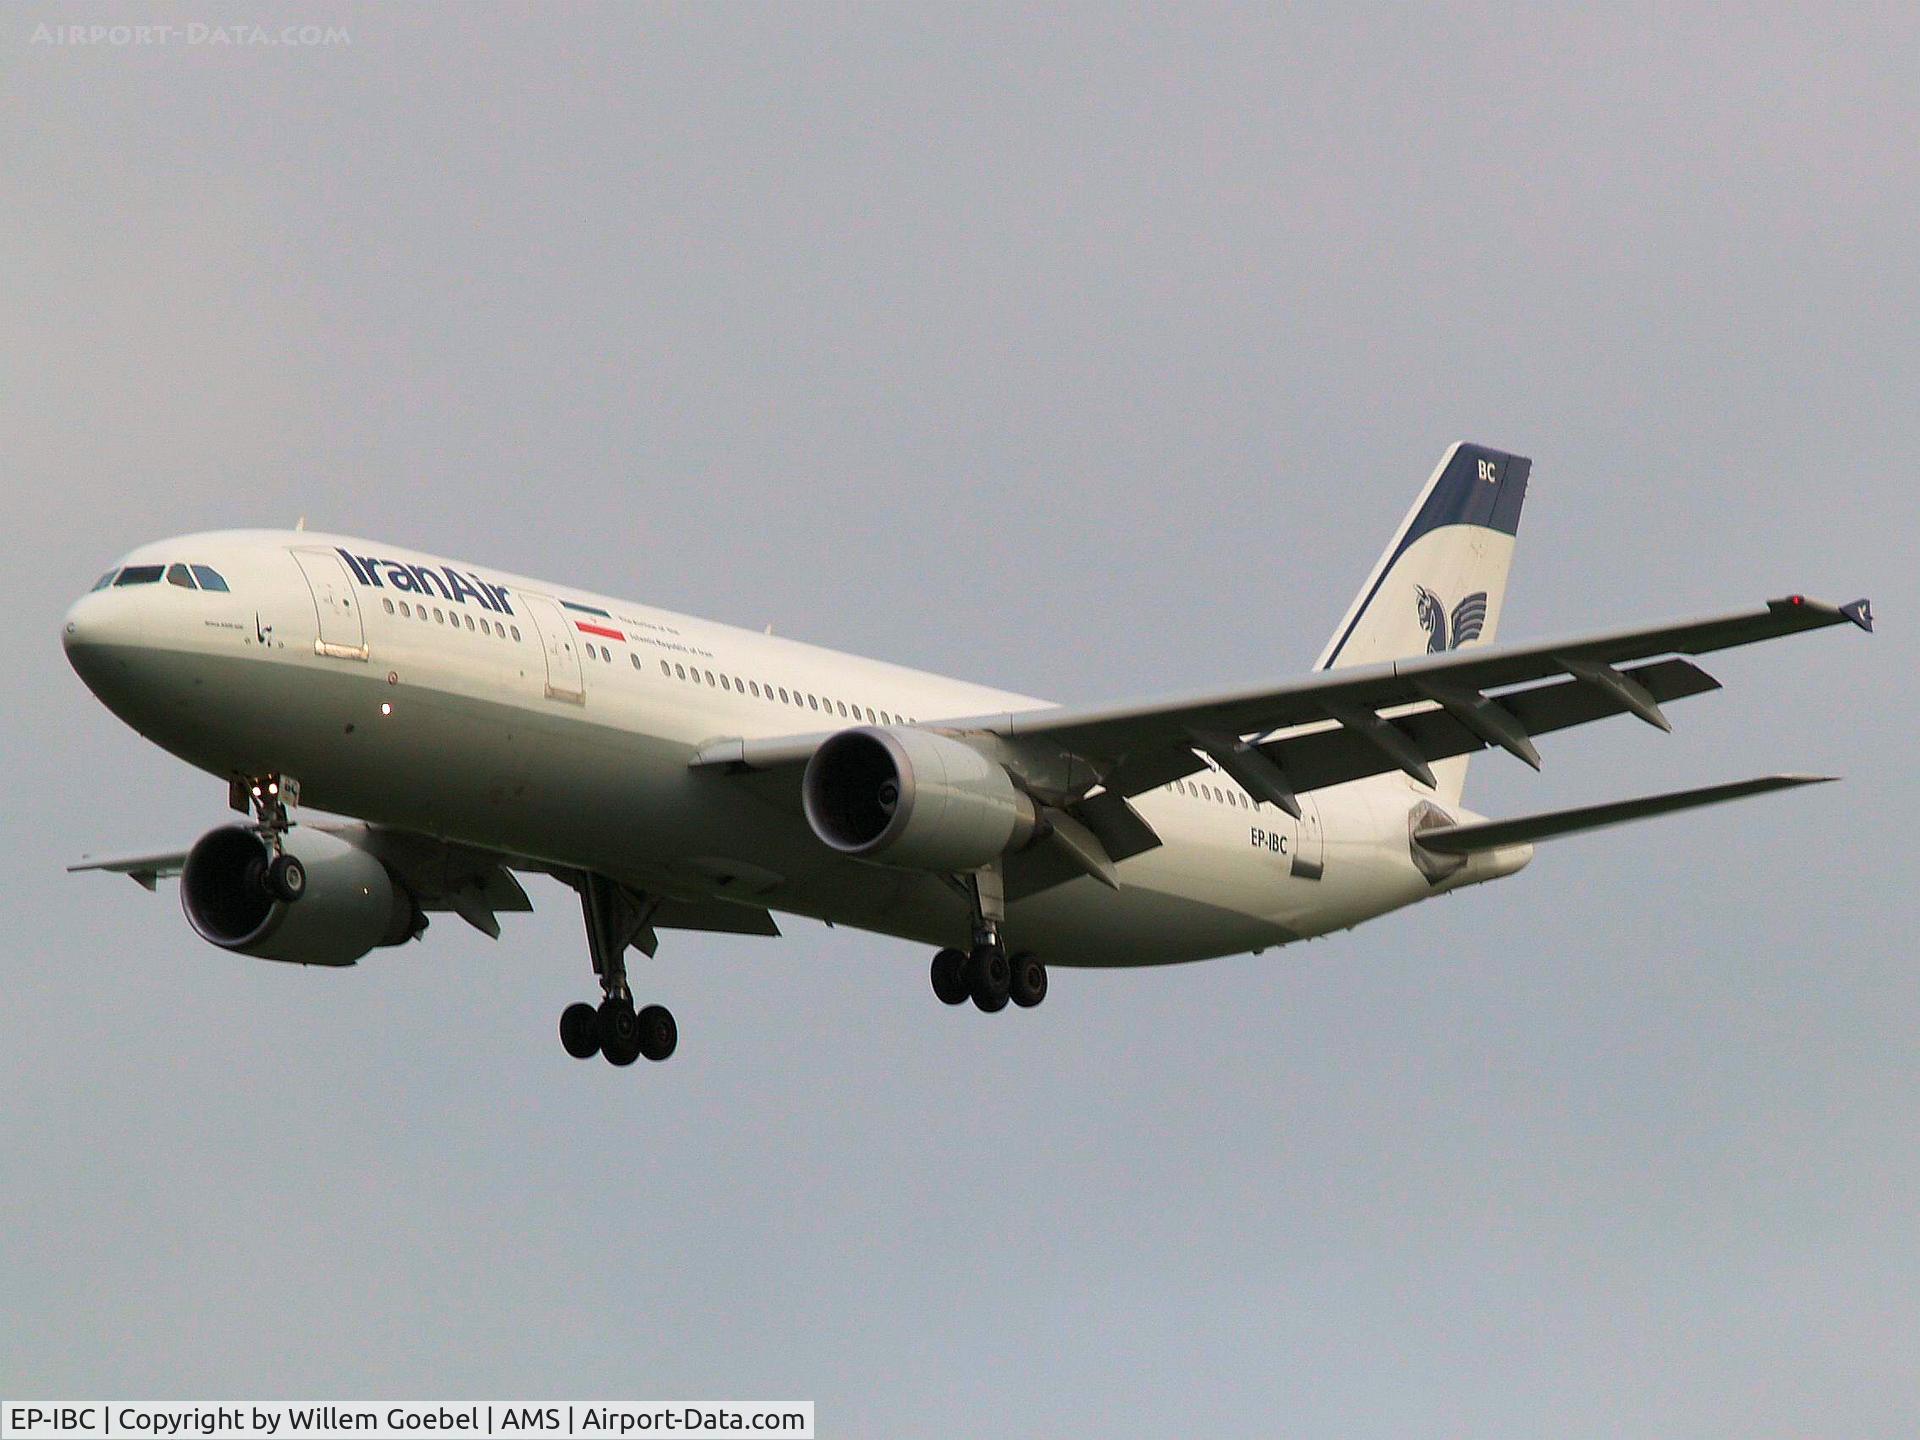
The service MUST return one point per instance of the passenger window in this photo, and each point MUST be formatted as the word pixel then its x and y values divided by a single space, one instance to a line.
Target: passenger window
pixel 388 603
pixel 709 677
pixel 681 671
pixel 140 575
pixel 814 701
pixel 723 683
pixel 177 575
pixel 438 617
pixel 842 707
pixel 783 694
pixel 209 578
pixel 754 687
pixel 469 620
pixel 104 581
pixel 516 634
pixel 636 661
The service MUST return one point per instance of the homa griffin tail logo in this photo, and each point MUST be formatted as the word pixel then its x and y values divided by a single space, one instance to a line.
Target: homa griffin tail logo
pixel 443 581
pixel 1469 619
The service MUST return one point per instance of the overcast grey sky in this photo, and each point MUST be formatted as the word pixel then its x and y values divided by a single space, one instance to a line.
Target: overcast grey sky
pixel 1092 352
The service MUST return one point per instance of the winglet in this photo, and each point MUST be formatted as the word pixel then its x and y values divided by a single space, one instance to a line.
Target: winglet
pixel 1860 612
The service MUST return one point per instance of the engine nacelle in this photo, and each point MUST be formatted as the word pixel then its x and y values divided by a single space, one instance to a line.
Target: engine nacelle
pixel 914 799
pixel 351 903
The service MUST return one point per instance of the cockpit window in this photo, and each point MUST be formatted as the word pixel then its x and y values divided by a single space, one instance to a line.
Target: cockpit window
pixel 140 575
pixel 106 579
pixel 177 575
pixel 210 578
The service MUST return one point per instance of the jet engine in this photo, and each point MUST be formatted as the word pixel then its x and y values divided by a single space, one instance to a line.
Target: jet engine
pixel 350 904
pixel 914 799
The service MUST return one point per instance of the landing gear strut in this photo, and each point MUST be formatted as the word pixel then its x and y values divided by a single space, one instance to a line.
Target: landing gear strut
pixel 983 973
pixel 268 798
pixel 616 918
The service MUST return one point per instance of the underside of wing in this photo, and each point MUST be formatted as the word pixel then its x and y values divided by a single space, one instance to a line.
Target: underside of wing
pixel 146 869
pixel 1334 726
pixel 1339 725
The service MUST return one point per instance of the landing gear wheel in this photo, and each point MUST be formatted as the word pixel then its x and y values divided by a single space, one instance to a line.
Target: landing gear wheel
pixel 991 977
pixel 619 1030
pixel 580 1030
pixel 950 977
pixel 658 1034
pixel 1028 986
pixel 286 879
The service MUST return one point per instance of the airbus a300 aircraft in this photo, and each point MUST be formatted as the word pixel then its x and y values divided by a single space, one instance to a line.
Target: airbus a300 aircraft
pixel 685 775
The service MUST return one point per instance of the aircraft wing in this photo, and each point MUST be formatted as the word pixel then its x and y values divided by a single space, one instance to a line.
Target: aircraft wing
pixel 146 869
pixel 477 885
pixel 1334 726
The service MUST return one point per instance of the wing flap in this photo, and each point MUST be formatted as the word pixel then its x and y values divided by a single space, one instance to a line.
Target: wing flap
pixel 719 916
pixel 1333 756
pixel 1526 829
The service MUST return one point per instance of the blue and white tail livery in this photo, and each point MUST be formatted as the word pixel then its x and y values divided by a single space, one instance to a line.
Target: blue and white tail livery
pixel 681 774
pixel 1442 582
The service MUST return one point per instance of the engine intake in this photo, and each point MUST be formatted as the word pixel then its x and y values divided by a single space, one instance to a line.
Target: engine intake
pixel 351 903
pixel 914 799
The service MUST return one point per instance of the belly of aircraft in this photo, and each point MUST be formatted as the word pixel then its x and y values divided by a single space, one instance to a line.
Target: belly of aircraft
pixel 559 788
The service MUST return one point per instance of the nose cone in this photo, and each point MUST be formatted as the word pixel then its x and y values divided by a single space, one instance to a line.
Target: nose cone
pixel 101 635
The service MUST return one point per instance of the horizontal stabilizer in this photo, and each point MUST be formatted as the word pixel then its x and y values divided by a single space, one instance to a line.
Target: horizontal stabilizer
pixel 1492 834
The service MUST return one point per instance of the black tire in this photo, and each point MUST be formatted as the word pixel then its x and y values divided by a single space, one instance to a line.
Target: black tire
pixel 619 1031
pixel 1028 986
pixel 659 1036
pixel 286 879
pixel 991 977
pixel 580 1030
pixel 950 977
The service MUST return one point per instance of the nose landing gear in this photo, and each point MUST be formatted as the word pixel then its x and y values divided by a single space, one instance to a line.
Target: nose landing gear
pixel 286 878
pixel 269 798
pixel 616 918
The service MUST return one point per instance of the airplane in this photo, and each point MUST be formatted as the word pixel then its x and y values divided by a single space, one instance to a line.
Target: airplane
pixel 465 726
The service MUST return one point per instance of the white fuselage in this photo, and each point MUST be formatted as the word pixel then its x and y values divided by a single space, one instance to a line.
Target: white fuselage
pixel 547 723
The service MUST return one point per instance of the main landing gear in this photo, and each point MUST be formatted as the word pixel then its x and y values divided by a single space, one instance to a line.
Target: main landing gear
pixel 985 974
pixel 616 918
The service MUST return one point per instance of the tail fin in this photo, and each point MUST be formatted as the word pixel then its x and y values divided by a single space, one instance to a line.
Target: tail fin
pixel 1441 583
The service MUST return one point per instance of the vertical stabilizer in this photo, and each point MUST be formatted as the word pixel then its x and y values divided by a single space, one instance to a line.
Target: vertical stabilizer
pixel 1442 581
